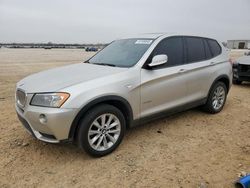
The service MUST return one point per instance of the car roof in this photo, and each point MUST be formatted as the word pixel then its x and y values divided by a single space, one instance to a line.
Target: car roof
pixel 146 35
pixel 166 34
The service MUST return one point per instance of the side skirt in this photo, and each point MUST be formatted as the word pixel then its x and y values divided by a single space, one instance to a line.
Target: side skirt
pixel 169 112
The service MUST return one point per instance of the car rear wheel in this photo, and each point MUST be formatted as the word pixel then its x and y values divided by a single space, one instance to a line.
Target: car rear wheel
pixel 101 130
pixel 216 98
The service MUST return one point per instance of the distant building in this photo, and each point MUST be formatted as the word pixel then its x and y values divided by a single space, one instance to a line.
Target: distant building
pixel 238 44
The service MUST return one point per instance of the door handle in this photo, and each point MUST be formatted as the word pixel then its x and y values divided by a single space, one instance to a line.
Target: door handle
pixel 212 63
pixel 182 70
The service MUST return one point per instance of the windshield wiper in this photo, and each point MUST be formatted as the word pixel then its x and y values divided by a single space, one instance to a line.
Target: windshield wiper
pixel 105 64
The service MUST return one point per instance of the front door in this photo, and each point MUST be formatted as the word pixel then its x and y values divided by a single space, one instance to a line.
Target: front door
pixel 164 87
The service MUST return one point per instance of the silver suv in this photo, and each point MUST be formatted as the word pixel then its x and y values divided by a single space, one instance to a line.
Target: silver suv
pixel 127 83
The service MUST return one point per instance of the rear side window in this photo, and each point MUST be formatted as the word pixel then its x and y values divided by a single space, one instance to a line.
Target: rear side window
pixel 173 48
pixel 195 49
pixel 214 46
pixel 208 52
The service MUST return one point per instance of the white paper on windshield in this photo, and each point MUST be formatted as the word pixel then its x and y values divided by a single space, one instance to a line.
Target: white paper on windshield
pixel 143 42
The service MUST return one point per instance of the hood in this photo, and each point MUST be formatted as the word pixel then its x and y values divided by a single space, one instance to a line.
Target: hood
pixel 58 78
pixel 244 60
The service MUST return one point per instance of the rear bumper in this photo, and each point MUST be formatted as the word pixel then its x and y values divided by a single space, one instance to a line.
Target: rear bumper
pixel 54 130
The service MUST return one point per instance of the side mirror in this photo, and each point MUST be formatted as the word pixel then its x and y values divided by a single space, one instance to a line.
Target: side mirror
pixel 158 60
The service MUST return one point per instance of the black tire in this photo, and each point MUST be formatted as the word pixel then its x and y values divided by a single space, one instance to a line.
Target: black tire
pixel 87 121
pixel 237 82
pixel 208 107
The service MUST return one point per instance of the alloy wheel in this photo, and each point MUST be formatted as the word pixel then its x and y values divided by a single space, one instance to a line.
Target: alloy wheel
pixel 218 97
pixel 104 132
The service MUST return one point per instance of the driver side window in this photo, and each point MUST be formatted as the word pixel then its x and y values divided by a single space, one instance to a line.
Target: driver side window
pixel 173 48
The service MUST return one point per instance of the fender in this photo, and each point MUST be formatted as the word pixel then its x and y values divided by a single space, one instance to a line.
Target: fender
pixel 222 78
pixel 117 101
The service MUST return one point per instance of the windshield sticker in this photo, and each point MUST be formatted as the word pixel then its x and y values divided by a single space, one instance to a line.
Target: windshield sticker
pixel 143 42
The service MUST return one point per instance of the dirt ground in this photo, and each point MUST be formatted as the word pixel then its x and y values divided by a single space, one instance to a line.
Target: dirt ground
pixel 190 149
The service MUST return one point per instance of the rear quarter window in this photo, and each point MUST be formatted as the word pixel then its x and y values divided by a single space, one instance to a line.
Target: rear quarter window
pixel 214 47
pixel 208 52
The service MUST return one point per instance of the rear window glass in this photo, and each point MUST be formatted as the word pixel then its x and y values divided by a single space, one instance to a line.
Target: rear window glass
pixel 215 47
pixel 195 49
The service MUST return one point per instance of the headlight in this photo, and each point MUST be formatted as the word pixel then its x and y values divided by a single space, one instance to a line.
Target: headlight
pixel 54 100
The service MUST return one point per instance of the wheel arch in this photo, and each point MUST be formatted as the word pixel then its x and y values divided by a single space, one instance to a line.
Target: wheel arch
pixel 117 101
pixel 222 78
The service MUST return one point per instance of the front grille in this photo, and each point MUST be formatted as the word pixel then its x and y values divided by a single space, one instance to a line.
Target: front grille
pixel 244 68
pixel 20 98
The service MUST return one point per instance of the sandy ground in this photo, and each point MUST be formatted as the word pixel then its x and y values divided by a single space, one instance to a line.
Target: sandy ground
pixel 190 149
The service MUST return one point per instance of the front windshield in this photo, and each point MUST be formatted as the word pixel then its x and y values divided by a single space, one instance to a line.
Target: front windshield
pixel 122 53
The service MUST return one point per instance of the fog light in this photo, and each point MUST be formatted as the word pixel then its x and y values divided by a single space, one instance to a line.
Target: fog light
pixel 42 118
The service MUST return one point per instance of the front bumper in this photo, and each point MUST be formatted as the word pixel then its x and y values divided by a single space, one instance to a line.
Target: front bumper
pixel 54 130
pixel 241 72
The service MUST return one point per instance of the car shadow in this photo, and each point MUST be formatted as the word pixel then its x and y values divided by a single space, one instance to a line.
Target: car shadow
pixel 245 84
pixel 66 151
pixel 167 119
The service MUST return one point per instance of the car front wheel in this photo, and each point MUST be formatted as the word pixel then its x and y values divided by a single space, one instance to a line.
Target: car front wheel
pixel 101 130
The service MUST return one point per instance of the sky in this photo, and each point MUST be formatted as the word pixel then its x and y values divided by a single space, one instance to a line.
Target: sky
pixel 101 21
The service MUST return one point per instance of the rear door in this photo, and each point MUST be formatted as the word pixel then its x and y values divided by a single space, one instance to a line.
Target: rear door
pixel 164 87
pixel 199 68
